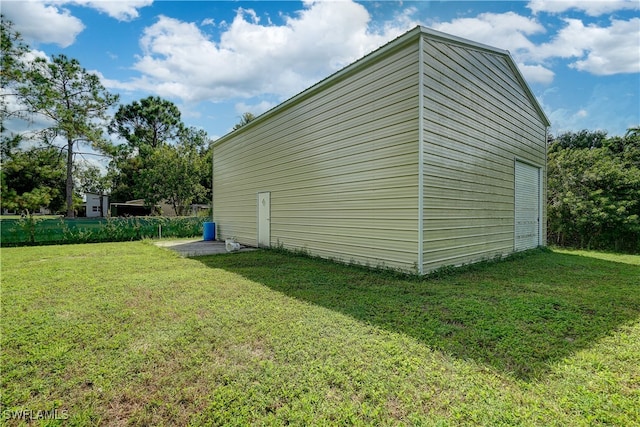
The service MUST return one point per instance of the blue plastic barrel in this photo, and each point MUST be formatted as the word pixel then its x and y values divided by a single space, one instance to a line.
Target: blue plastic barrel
pixel 209 231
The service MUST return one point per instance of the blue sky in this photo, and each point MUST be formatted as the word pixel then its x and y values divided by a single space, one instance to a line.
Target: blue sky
pixel 219 59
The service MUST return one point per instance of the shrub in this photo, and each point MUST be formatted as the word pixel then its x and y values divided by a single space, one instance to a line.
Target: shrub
pixel 34 231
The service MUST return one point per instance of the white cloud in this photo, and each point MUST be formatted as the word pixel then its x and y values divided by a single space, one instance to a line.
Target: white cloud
pixel 17 123
pixel 28 17
pixel 536 73
pixel 178 60
pixel 255 109
pixel 32 55
pixel 108 83
pixel 611 107
pixel 598 50
pixel 502 30
pixel 613 50
pixel 122 10
pixel 50 22
pixel 590 7
pixel 508 31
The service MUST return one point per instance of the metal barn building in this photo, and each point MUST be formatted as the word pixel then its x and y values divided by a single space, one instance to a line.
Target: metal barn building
pixel 430 151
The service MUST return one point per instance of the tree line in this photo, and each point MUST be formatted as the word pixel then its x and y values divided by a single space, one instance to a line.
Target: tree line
pixel 594 190
pixel 161 158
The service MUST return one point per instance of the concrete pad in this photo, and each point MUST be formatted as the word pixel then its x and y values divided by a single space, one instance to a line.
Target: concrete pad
pixel 197 247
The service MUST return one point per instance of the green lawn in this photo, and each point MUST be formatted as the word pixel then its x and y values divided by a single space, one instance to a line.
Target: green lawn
pixel 128 333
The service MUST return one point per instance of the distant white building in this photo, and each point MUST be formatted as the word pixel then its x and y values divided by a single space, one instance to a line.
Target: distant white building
pixel 97 205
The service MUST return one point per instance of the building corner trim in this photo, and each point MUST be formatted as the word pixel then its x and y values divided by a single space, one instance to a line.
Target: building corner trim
pixel 421 155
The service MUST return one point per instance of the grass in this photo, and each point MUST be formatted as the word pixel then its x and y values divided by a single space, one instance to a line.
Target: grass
pixel 127 333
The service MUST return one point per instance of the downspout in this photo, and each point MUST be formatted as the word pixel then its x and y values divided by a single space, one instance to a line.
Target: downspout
pixel 420 155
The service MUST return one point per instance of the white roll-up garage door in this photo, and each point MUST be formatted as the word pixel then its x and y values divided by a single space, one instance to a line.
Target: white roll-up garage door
pixel 527 206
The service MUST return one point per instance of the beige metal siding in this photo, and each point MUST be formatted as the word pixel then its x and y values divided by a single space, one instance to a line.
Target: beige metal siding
pixel 341 164
pixel 477 118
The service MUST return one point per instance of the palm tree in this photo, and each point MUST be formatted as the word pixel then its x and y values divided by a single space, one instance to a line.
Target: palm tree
pixel 633 132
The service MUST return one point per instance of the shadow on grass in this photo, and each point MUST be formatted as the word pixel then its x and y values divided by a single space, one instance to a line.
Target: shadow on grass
pixel 518 315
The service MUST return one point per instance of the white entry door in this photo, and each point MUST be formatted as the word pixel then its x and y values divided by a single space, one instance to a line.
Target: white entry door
pixel 264 219
pixel 527 206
